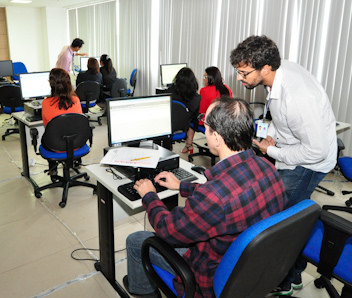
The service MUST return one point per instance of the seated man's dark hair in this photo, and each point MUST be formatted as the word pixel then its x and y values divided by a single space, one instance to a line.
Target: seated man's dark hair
pixel 232 118
pixel 256 51
pixel 77 42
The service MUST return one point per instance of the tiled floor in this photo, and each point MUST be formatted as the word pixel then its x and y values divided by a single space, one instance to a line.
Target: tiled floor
pixel 37 236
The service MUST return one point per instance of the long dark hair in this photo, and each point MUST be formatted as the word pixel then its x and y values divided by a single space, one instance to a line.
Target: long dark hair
pixel 107 62
pixel 93 65
pixel 61 88
pixel 186 84
pixel 215 78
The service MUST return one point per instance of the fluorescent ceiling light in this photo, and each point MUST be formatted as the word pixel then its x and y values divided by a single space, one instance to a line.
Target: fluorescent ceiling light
pixel 21 1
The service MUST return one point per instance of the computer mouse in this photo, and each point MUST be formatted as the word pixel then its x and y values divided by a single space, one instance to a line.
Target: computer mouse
pixel 198 169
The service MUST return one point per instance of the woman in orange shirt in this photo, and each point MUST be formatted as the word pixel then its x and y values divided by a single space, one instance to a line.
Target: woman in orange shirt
pixel 63 99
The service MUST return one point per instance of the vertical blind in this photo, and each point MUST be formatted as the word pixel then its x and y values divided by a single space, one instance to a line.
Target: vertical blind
pixel 315 34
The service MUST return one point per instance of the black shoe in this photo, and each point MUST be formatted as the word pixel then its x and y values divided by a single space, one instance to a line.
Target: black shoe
pixel 155 294
pixel 281 290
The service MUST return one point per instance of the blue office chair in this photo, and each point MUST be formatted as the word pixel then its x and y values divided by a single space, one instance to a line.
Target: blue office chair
pixel 11 101
pixel 88 93
pixel 64 141
pixel 133 81
pixel 330 249
pixel 255 263
pixel 18 67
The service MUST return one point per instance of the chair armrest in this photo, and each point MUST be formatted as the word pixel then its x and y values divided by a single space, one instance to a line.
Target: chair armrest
pixel 337 222
pixel 177 263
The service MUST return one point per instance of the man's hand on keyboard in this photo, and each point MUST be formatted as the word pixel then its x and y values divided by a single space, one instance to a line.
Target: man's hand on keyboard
pixel 168 180
pixel 144 186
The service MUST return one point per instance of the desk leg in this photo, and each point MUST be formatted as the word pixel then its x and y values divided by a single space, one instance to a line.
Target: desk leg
pixel 106 238
pixel 24 153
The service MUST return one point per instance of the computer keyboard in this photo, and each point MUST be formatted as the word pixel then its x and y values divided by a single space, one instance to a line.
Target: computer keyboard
pixel 130 193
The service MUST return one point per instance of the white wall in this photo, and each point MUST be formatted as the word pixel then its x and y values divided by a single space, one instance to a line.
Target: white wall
pixel 36 35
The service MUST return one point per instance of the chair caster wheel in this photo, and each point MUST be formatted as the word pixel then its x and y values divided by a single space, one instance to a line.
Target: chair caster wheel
pixel 54 179
pixel 318 283
pixel 86 177
pixel 190 158
pixel 99 122
pixel 38 194
pixel 349 202
pixel 3 138
pixel 62 204
pixel 95 191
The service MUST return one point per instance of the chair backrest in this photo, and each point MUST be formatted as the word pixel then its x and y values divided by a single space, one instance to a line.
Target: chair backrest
pixel 10 98
pixel 18 67
pixel 119 88
pixel 180 120
pixel 133 81
pixel 64 126
pixel 261 256
pixel 88 91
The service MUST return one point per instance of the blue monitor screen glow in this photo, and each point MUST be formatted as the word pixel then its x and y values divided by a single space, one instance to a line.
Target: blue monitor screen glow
pixel 6 68
pixel 137 119
pixel 169 71
pixel 84 62
pixel 35 85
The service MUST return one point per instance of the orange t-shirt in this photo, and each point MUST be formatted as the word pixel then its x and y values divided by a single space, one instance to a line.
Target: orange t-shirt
pixel 50 108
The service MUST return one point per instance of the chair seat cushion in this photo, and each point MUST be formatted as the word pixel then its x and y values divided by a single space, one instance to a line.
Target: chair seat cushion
pixel 345 164
pixel 91 104
pixel 7 110
pixel 47 154
pixel 343 267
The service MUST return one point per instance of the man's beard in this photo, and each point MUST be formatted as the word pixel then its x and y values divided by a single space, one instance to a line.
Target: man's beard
pixel 249 86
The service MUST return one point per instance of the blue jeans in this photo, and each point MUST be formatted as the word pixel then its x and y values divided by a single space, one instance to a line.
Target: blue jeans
pixel 137 279
pixel 300 183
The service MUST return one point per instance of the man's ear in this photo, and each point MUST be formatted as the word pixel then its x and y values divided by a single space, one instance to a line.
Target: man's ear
pixel 266 69
pixel 218 139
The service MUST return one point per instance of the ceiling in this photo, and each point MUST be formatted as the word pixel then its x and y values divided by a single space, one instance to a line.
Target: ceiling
pixel 50 3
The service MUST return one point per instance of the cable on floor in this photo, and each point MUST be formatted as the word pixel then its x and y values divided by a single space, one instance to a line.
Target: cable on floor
pixel 92 249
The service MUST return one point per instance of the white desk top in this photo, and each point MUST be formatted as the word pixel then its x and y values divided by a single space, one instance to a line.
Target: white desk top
pixel 342 126
pixel 98 171
pixel 21 116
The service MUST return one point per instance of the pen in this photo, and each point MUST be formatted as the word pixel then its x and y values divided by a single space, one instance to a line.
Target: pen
pixel 135 159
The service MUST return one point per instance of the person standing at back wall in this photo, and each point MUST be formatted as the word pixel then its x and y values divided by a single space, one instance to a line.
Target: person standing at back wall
pixel 67 54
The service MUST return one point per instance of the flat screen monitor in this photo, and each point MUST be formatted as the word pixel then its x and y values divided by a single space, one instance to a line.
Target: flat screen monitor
pixel 169 71
pixel 137 119
pixel 6 68
pixel 35 85
pixel 84 61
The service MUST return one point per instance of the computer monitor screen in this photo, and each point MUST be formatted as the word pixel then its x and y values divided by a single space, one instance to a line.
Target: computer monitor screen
pixel 35 84
pixel 169 71
pixel 137 119
pixel 84 62
pixel 6 68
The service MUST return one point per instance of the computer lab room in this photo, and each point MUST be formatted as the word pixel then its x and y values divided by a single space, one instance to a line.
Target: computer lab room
pixel 176 148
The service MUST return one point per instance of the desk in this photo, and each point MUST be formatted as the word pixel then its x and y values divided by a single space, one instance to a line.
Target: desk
pixel 107 188
pixel 22 123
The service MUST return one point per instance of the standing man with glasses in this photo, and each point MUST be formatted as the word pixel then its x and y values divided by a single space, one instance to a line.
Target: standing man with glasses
pixel 241 189
pixel 302 134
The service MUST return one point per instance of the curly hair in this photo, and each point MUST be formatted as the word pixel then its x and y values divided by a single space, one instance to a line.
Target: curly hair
pixel 61 87
pixel 256 51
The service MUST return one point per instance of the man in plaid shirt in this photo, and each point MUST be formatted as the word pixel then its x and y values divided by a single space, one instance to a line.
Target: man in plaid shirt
pixel 241 189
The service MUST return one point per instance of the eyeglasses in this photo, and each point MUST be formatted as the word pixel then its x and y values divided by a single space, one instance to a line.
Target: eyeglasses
pixel 115 176
pixel 201 118
pixel 244 74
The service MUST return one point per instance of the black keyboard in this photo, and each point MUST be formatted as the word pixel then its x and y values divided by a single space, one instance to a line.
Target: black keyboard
pixel 130 193
pixel 33 118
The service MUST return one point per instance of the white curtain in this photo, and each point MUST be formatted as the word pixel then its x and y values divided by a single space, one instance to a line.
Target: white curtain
pixel 316 34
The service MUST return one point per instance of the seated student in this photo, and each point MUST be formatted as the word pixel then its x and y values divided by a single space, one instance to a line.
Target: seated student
pixel 91 74
pixel 241 190
pixel 108 72
pixel 62 101
pixel 184 89
pixel 213 89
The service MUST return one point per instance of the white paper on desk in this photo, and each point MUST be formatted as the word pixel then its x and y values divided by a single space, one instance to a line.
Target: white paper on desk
pixel 132 157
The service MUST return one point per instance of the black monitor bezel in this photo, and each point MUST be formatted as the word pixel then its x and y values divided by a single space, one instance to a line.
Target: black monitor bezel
pixel 11 66
pixel 168 64
pixel 30 73
pixel 135 143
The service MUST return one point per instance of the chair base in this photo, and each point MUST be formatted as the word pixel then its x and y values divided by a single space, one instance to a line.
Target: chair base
pixel 66 182
pixel 202 151
pixel 10 131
